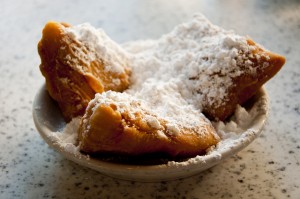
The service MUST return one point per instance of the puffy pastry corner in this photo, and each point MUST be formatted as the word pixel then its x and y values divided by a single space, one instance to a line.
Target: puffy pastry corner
pixel 111 127
pixel 263 66
pixel 74 72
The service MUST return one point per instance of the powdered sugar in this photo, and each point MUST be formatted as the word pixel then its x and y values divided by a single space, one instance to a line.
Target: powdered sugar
pixel 152 122
pixel 67 140
pixel 197 58
pixel 96 45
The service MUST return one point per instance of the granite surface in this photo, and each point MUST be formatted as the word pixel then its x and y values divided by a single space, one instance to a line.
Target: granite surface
pixel 268 168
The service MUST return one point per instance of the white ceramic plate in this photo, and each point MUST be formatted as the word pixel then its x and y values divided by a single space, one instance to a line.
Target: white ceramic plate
pixel 48 119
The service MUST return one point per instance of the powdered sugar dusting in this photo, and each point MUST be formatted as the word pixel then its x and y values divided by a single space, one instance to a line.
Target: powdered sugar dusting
pixel 236 133
pixel 178 74
pixel 67 140
pixel 197 59
pixel 96 45
pixel 173 78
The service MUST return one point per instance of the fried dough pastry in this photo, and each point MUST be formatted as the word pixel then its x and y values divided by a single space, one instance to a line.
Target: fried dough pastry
pixel 258 67
pixel 75 70
pixel 115 123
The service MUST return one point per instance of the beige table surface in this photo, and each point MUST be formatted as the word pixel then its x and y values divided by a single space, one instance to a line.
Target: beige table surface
pixel 268 168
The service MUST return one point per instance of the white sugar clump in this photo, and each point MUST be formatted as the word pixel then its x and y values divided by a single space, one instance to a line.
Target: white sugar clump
pixel 173 129
pixel 152 122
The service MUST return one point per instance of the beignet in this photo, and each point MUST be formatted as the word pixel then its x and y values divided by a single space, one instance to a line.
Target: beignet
pixel 258 66
pixel 75 70
pixel 120 124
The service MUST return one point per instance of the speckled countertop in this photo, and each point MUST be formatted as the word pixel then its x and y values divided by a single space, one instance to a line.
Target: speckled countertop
pixel 268 168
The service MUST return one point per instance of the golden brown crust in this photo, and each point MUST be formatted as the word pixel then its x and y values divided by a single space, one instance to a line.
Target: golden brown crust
pixel 105 129
pixel 73 80
pixel 265 64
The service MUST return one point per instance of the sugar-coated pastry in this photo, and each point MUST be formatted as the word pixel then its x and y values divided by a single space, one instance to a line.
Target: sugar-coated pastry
pixel 120 124
pixel 258 66
pixel 76 69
